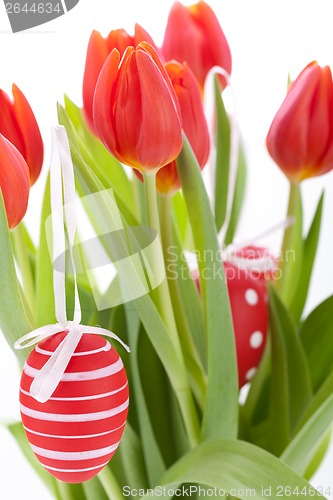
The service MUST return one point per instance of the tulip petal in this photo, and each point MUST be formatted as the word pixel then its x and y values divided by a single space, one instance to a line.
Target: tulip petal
pixel 161 128
pixel 167 179
pixel 33 144
pixel 320 119
pixel 183 39
pixel 102 106
pixel 215 49
pixel 194 35
pixel 192 113
pixel 14 181
pixel 287 139
pixel 141 35
pixel 97 53
pixel 9 126
pixel 120 40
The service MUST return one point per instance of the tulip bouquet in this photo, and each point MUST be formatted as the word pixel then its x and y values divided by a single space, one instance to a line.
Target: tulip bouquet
pixel 230 384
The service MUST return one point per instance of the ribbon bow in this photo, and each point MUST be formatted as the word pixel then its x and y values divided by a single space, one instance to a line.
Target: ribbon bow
pixel 63 208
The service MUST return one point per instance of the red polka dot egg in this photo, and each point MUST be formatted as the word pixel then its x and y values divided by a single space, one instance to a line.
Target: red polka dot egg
pixel 77 431
pixel 249 308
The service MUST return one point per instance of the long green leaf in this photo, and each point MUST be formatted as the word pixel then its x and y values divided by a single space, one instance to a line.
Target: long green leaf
pixel 44 270
pixel 239 194
pixel 309 253
pixel 154 462
pixel 301 448
pixel 131 457
pixel 237 468
pixel 222 163
pixel 290 382
pixel 221 409
pixel 13 318
pixel 317 338
pixel 94 490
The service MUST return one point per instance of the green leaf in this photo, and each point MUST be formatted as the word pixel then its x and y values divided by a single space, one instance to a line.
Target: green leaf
pixel 189 296
pixel 220 417
pixel 70 491
pixel 317 401
pixel 240 469
pixel 317 338
pixel 44 271
pixel 238 200
pixel 222 163
pixel 131 457
pixel 154 462
pixel 300 451
pixel 180 218
pixel 309 253
pixel 94 490
pixel 290 382
pixel 13 318
pixel 318 455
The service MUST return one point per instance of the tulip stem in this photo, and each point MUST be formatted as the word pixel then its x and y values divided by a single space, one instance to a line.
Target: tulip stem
pixel 192 360
pixel 110 484
pixel 23 261
pixel 164 306
pixel 290 257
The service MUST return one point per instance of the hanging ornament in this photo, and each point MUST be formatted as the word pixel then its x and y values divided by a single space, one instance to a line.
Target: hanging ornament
pixel 74 389
pixel 249 309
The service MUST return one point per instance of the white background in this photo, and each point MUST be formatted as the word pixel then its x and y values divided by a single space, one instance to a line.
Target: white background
pixel 268 39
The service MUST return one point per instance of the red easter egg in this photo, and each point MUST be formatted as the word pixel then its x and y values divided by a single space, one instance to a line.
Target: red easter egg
pixel 249 308
pixel 77 431
pixel 261 264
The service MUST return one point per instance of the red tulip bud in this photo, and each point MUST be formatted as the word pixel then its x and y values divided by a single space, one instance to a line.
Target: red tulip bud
pixel 18 124
pixel 14 181
pixel 300 139
pixel 136 111
pixel 193 122
pixel 193 34
pixel 99 49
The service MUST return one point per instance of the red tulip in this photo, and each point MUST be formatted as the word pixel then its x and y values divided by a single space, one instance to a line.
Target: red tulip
pixel 14 181
pixel 18 124
pixel 136 111
pixel 193 34
pixel 300 139
pixel 193 122
pixel 99 49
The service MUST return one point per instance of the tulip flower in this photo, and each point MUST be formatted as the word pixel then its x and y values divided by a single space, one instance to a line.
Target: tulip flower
pixel 99 49
pixel 193 122
pixel 136 111
pixel 14 181
pixel 300 139
pixel 193 34
pixel 18 124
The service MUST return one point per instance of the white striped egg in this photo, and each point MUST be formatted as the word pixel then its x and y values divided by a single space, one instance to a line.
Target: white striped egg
pixel 77 431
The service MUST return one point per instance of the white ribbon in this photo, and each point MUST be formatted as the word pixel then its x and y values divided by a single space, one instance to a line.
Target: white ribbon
pixel 62 186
